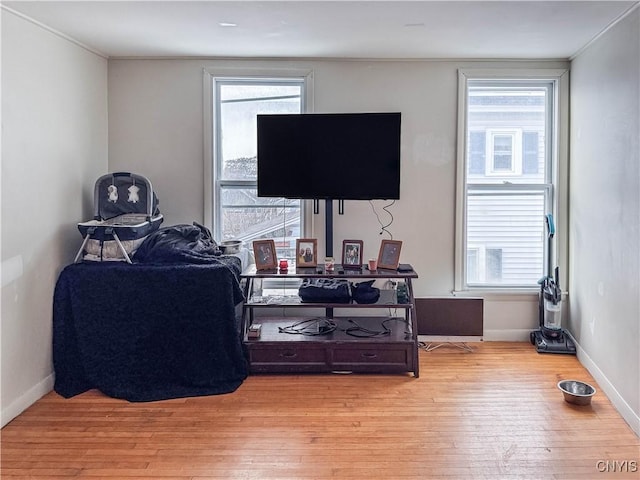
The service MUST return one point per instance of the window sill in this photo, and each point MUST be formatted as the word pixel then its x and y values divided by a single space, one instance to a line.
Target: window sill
pixel 512 294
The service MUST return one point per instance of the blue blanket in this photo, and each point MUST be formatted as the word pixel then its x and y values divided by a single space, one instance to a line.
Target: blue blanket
pixel 145 332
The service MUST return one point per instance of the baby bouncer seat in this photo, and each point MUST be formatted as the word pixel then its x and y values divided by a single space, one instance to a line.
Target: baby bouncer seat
pixel 125 213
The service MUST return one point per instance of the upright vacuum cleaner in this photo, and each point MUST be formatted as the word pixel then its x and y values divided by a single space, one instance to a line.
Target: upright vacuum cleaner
pixel 551 338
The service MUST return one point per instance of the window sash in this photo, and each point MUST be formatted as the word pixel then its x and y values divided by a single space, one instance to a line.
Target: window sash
pixel 508 218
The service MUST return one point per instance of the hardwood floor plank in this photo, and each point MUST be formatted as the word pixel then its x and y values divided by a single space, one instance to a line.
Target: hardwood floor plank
pixel 494 413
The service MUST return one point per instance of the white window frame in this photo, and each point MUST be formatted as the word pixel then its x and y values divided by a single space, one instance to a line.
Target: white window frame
pixel 211 182
pixel 559 171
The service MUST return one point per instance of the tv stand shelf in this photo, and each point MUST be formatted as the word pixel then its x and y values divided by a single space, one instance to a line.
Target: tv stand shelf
pixel 362 339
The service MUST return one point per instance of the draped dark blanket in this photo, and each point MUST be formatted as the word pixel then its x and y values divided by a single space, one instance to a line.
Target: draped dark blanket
pixel 147 332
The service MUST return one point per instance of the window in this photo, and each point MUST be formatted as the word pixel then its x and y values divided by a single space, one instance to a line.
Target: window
pixel 484 264
pixel 508 139
pixel 233 208
pixel 504 154
pixel 511 152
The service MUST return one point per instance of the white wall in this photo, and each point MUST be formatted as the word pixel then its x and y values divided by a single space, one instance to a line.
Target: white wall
pixel 155 128
pixel 605 212
pixel 54 146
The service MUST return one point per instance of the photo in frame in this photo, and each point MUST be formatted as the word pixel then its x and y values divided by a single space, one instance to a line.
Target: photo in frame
pixel 306 252
pixel 352 253
pixel 265 255
pixel 389 255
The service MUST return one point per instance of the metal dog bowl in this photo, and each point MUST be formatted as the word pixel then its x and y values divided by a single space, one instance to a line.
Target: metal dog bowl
pixel 576 392
pixel 230 246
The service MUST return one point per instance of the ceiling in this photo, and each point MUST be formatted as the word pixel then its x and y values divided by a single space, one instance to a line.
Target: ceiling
pixel 329 29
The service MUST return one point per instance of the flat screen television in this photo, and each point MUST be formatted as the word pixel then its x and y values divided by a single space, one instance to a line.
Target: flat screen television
pixel 341 156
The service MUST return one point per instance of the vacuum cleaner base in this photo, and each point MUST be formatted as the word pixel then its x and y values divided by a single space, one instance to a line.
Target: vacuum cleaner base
pixel 561 344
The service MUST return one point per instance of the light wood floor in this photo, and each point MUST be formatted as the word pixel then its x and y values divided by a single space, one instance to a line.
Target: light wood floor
pixel 491 414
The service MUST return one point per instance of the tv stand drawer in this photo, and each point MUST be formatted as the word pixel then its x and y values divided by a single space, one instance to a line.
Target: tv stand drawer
pixel 287 358
pixel 362 358
pixel 373 358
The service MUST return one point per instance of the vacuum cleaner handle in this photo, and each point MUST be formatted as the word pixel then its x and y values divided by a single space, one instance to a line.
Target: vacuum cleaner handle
pixel 550 225
pixel 552 230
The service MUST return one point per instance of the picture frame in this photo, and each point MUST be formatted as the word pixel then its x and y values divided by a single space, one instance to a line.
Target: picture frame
pixel 352 253
pixel 389 255
pixel 265 254
pixel 306 252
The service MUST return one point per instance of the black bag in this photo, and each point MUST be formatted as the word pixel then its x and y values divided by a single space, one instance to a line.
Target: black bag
pixel 365 292
pixel 324 290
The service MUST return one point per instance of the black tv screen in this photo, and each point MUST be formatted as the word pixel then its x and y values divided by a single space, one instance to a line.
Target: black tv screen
pixel 343 156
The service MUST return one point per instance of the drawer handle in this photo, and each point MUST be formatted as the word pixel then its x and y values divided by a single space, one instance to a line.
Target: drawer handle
pixel 370 355
pixel 289 355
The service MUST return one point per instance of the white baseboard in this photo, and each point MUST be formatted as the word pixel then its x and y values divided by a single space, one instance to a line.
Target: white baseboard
pixel 502 335
pixel 448 338
pixel 623 408
pixel 23 402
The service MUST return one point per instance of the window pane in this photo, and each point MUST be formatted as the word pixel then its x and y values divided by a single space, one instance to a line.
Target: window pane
pixel 516 109
pixel 239 105
pixel 511 222
pixel 502 153
pixel 247 217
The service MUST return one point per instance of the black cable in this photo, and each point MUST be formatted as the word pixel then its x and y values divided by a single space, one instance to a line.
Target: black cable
pixel 310 327
pixel 398 319
pixel 362 332
pixel 385 208
pixel 324 326
pixel 383 227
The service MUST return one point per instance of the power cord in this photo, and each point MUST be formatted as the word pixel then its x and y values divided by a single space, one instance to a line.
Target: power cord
pixel 430 347
pixel 310 327
pixel 325 326
pixel 383 227
pixel 407 331
pixel 362 332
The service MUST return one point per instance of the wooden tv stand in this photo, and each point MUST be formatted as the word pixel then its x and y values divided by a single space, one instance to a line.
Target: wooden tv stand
pixel 366 338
